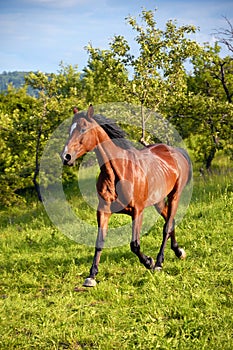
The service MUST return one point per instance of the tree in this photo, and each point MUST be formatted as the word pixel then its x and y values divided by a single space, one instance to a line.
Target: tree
pixel 210 104
pixel 159 73
pixel 57 94
pixel 17 137
pixel 27 123
pixel 105 78
pixel 155 79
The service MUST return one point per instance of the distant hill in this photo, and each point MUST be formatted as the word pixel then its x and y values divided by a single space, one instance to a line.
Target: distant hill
pixel 15 78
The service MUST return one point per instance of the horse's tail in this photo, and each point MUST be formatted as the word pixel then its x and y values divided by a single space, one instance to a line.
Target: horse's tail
pixel 186 156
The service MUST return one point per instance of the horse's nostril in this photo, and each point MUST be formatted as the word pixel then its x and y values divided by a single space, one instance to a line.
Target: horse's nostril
pixel 68 157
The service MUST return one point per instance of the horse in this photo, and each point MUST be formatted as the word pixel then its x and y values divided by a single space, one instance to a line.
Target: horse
pixel 130 180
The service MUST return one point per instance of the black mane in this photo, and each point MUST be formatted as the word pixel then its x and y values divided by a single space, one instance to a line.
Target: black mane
pixel 116 134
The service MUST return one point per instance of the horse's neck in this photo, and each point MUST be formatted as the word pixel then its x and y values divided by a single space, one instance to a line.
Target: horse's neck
pixel 107 152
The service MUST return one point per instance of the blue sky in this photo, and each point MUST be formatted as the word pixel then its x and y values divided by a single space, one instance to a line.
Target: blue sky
pixel 39 34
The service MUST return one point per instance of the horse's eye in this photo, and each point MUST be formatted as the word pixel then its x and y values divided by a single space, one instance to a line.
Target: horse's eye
pixel 82 130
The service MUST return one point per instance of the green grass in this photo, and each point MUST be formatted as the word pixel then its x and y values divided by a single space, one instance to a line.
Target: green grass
pixel 186 306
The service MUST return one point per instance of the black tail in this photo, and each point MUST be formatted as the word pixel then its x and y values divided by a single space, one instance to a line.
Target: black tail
pixel 186 156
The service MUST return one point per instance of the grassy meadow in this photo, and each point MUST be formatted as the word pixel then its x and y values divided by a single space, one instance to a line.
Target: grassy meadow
pixel 186 306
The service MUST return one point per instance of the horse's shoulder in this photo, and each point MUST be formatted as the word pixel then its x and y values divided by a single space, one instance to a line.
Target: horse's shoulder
pixel 163 153
pixel 160 148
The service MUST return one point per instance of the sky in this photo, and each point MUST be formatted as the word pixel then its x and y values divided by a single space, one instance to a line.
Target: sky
pixel 40 34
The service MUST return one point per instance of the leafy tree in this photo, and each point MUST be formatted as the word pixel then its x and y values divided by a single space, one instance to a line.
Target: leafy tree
pixel 17 136
pixel 57 94
pixel 27 122
pixel 159 75
pixel 105 77
pixel 210 104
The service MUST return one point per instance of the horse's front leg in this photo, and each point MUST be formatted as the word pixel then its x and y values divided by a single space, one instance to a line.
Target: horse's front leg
pixel 102 218
pixel 147 261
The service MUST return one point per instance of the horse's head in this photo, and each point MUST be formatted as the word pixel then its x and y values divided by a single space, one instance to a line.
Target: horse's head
pixel 82 137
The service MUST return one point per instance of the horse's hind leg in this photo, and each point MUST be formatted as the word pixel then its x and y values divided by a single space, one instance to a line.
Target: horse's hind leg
pixel 180 252
pixel 162 209
pixel 168 211
pixel 147 261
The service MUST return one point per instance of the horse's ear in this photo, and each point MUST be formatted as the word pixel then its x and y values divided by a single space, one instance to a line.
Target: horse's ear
pixel 90 112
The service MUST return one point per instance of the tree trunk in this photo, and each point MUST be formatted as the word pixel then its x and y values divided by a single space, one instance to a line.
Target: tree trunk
pixel 209 159
pixel 228 95
pixel 37 166
pixel 38 143
pixel 143 122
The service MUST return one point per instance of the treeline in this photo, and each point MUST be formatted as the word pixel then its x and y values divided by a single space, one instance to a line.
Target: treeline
pixel 197 100
pixel 16 79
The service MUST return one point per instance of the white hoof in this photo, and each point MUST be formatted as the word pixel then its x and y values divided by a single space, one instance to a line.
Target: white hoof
pixel 89 282
pixel 157 268
pixel 183 255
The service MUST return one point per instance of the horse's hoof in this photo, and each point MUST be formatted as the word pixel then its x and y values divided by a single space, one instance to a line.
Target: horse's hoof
pixel 183 254
pixel 89 282
pixel 157 268
pixel 151 264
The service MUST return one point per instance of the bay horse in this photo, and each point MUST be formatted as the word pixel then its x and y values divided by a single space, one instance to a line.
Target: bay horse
pixel 130 180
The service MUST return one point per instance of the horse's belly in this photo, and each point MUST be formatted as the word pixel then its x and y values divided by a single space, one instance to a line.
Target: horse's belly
pixel 158 186
pixel 154 197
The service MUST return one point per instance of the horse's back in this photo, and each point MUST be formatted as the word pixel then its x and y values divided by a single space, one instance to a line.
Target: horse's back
pixel 175 158
pixel 163 153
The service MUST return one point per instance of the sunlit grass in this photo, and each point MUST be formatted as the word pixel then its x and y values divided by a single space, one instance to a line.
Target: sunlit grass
pixel 186 306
